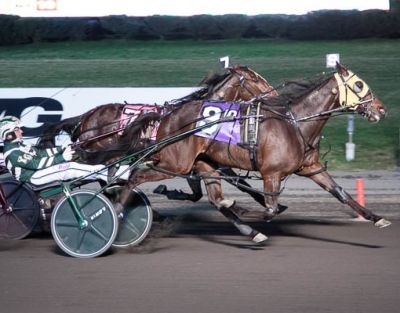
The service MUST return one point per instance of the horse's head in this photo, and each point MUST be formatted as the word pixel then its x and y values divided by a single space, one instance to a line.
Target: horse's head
pixel 355 95
pixel 240 83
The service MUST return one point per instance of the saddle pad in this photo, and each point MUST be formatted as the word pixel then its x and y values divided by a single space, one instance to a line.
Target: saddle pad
pixel 131 112
pixel 228 132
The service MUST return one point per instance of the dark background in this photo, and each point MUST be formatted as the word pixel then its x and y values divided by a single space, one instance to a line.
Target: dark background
pixel 318 25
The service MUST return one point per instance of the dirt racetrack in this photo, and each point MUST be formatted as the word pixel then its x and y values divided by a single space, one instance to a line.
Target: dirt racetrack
pixel 318 259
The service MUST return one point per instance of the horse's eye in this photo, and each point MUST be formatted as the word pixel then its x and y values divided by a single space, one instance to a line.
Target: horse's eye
pixel 358 86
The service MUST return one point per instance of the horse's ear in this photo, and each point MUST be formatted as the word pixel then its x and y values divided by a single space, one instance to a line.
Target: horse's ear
pixel 341 69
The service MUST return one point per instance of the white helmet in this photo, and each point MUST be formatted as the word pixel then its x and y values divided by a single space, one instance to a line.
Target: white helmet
pixel 8 125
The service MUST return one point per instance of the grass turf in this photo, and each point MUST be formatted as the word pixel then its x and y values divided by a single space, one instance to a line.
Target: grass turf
pixel 185 63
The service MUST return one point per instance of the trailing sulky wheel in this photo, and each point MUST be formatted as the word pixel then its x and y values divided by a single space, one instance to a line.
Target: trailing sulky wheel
pixel 19 210
pixel 135 220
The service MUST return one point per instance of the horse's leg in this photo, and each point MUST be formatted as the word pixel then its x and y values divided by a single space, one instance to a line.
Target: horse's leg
pixel 197 193
pixel 170 161
pixel 327 182
pixel 240 183
pixel 225 206
pixel 136 178
pixel 195 186
pixel 272 185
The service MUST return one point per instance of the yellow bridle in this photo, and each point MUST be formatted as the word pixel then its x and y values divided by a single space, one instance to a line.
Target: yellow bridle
pixel 351 90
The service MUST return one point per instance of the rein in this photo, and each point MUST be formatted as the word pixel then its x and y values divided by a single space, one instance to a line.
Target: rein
pixel 328 112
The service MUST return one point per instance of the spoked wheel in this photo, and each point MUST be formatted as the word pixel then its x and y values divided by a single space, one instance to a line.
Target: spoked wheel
pixel 92 237
pixel 135 220
pixel 20 213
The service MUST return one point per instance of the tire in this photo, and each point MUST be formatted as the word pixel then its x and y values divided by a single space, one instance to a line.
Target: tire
pixel 136 219
pixel 24 210
pixel 91 240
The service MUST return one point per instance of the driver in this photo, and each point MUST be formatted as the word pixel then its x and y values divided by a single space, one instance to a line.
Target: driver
pixel 41 166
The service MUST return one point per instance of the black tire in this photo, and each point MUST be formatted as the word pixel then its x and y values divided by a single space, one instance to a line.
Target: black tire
pixel 20 218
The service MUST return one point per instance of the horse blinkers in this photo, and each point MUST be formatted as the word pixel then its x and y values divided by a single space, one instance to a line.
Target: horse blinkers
pixel 355 95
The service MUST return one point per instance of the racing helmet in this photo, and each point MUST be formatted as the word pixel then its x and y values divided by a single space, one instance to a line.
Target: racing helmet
pixel 7 125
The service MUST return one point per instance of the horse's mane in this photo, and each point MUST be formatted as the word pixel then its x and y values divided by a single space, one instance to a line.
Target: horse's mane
pixel 213 79
pixel 293 91
pixel 209 82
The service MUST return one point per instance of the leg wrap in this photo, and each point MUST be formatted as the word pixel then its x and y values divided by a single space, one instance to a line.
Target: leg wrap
pixel 245 229
pixel 340 194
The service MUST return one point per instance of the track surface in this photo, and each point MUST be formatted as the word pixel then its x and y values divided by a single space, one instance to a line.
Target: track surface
pixel 317 260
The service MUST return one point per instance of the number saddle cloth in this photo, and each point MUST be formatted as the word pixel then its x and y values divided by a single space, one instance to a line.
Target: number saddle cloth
pixel 131 112
pixel 242 131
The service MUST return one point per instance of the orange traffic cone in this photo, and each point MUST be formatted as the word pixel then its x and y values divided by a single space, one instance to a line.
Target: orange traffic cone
pixel 360 194
pixel 360 191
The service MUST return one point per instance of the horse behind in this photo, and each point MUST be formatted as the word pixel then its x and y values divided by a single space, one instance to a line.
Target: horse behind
pixel 106 128
pixel 100 130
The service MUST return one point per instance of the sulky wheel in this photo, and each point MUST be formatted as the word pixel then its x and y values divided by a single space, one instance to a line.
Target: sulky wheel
pixel 92 237
pixel 135 220
pixel 19 209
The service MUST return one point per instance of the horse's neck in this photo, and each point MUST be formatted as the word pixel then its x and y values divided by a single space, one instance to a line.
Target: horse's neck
pixel 317 102
pixel 229 91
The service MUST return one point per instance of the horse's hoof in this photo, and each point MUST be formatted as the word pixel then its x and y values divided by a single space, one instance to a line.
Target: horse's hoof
pixel 382 223
pixel 269 215
pixel 161 189
pixel 259 238
pixel 281 208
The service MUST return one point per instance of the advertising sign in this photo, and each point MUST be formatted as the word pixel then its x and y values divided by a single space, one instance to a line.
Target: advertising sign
pixel 37 106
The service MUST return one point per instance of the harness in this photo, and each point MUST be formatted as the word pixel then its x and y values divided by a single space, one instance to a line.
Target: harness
pixel 250 134
pixel 351 91
pixel 129 113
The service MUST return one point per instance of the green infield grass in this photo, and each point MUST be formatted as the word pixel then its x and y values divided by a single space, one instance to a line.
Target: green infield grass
pixel 185 63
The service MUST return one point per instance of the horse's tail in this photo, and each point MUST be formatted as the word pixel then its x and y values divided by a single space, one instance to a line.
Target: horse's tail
pixel 130 141
pixel 134 130
pixel 68 125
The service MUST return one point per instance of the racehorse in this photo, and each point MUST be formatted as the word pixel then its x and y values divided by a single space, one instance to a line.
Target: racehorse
pixel 99 129
pixel 290 126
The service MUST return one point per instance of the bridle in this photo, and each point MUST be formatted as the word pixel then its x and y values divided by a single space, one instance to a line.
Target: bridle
pixel 352 91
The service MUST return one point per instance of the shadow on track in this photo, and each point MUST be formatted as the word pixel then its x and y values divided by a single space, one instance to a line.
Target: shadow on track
pixel 213 231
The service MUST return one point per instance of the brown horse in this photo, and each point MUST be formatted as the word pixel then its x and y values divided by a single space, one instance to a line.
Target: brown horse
pixel 99 129
pixel 289 134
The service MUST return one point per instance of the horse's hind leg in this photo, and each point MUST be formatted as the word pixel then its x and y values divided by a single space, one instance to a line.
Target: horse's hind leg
pixel 327 182
pixel 241 184
pixel 225 206
pixel 136 178
pixel 197 193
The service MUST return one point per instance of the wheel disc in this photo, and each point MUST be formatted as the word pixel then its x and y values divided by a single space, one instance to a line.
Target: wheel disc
pixel 136 220
pixel 24 210
pixel 96 236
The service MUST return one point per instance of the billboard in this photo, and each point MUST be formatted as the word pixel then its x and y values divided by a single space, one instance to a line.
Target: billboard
pixel 37 106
